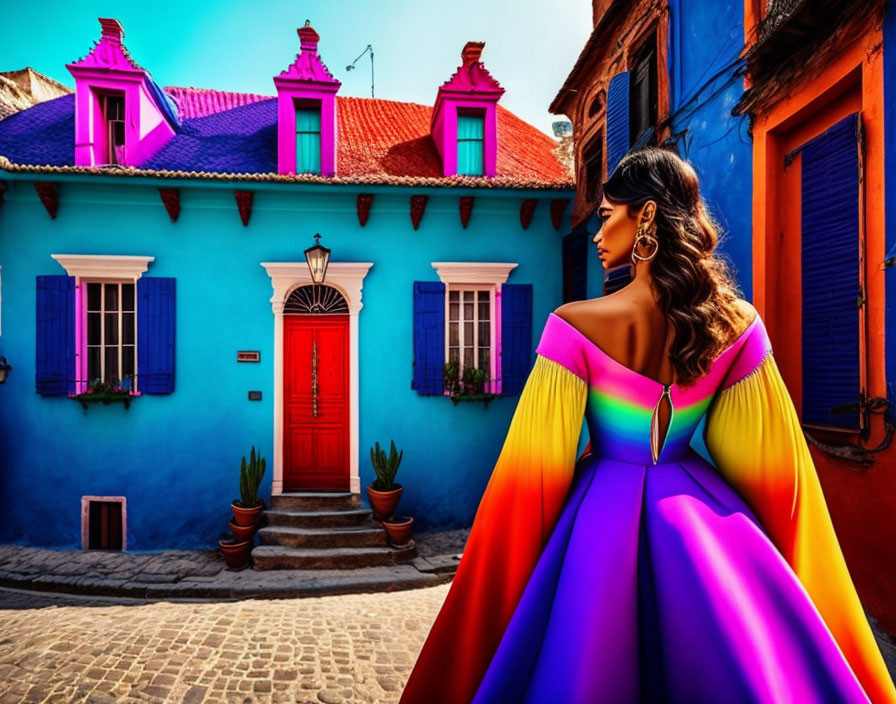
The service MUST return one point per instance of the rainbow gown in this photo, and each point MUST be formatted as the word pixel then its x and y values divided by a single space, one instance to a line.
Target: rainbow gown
pixel 616 579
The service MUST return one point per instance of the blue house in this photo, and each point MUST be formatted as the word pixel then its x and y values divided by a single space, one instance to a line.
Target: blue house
pixel 152 253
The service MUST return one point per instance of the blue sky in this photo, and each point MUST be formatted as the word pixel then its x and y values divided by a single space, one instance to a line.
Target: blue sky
pixel 531 45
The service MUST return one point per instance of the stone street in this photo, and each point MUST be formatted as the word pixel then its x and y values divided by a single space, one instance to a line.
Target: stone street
pixel 319 650
pixel 350 648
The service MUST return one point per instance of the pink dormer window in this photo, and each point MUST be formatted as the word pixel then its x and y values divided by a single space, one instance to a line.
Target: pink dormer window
pixel 121 115
pixel 464 122
pixel 306 112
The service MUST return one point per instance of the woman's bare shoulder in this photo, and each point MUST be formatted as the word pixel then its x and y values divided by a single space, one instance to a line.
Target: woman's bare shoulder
pixel 585 313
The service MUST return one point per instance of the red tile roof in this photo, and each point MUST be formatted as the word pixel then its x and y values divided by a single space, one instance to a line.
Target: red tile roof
pixel 377 137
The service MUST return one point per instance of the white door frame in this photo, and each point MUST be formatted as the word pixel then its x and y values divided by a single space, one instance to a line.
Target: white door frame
pixel 348 279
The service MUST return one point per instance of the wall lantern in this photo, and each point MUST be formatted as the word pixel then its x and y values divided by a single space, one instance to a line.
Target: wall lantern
pixel 317 257
pixel 4 369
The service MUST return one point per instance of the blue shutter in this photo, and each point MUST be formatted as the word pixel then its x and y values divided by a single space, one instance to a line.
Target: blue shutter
pixel 830 275
pixel 429 336
pixel 55 343
pixel 308 141
pixel 155 334
pixel 617 120
pixel 516 337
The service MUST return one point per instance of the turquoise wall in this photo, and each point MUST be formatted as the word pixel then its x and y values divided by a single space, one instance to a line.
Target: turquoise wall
pixel 176 457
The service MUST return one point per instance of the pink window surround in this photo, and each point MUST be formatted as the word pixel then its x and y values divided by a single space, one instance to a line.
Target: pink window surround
pixel 306 81
pixel 109 68
pixel 470 88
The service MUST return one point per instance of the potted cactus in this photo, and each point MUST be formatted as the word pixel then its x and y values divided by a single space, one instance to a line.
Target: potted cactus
pixel 247 509
pixel 384 493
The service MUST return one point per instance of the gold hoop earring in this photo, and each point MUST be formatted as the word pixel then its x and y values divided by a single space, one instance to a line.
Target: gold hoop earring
pixel 642 236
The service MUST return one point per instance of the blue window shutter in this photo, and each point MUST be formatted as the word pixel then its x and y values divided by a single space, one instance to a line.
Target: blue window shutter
pixel 55 344
pixel 155 334
pixel 617 120
pixel 429 336
pixel 308 140
pixel 516 337
pixel 830 275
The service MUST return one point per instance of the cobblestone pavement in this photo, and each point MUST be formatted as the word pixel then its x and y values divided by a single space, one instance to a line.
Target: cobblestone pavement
pixel 352 648
pixel 334 649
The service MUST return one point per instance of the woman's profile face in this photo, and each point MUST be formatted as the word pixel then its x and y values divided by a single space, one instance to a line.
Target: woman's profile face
pixel 616 235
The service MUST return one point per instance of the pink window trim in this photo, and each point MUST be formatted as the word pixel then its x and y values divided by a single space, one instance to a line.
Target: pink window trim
pixel 494 387
pixel 81 379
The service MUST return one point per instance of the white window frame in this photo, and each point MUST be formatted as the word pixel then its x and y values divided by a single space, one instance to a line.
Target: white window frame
pixel 99 268
pixel 478 276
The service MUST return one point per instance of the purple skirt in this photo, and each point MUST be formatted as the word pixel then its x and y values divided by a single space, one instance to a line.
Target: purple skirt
pixel 659 584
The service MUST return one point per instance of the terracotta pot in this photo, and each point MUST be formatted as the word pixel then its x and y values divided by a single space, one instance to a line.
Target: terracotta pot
pixel 242 533
pixel 236 554
pixel 384 503
pixel 399 532
pixel 246 516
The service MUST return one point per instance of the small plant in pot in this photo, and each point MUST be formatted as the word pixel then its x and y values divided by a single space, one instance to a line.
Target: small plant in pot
pixel 235 551
pixel 247 509
pixel 398 528
pixel 384 493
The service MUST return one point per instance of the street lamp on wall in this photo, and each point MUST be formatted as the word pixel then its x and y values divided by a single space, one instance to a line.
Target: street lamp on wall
pixel 4 369
pixel 317 257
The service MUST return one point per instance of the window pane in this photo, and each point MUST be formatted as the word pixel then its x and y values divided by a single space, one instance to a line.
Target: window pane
pixel 127 328
pixel 483 333
pixel 483 358
pixel 127 296
pixel 93 363
pixel 468 310
pixel 468 333
pixel 93 329
pixel 111 331
pixel 483 310
pixel 111 296
pixel 453 310
pixel 483 296
pixel 111 363
pixel 453 338
pixel 127 361
pixel 453 354
pixel 468 357
pixel 453 295
pixel 94 292
pixel 468 296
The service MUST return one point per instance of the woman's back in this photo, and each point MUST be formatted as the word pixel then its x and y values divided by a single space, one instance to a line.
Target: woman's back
pixel 628 327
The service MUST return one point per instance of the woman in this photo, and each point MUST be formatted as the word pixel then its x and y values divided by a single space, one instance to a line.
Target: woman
pixel 643 572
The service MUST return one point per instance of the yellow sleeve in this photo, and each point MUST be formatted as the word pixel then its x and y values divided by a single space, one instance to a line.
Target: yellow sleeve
pixel 517 512
pixel 756 441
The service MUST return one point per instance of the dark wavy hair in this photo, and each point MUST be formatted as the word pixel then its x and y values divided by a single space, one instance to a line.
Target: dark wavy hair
pixel 693 284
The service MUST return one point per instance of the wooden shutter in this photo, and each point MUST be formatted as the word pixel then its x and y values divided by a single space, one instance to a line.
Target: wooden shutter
pixel 429 336
pixel 831 278
pixel 516 337
pixel 55 335
pixel 617 120
pixel 155 334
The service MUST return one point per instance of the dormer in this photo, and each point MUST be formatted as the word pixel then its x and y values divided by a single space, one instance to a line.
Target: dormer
pixel 306 112
pixel 121 115
pixel 464 122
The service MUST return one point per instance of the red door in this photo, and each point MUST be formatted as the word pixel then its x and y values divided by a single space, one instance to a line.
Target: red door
pixel 315 402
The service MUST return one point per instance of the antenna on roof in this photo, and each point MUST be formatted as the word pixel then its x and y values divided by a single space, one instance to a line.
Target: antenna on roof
pixel 351 66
